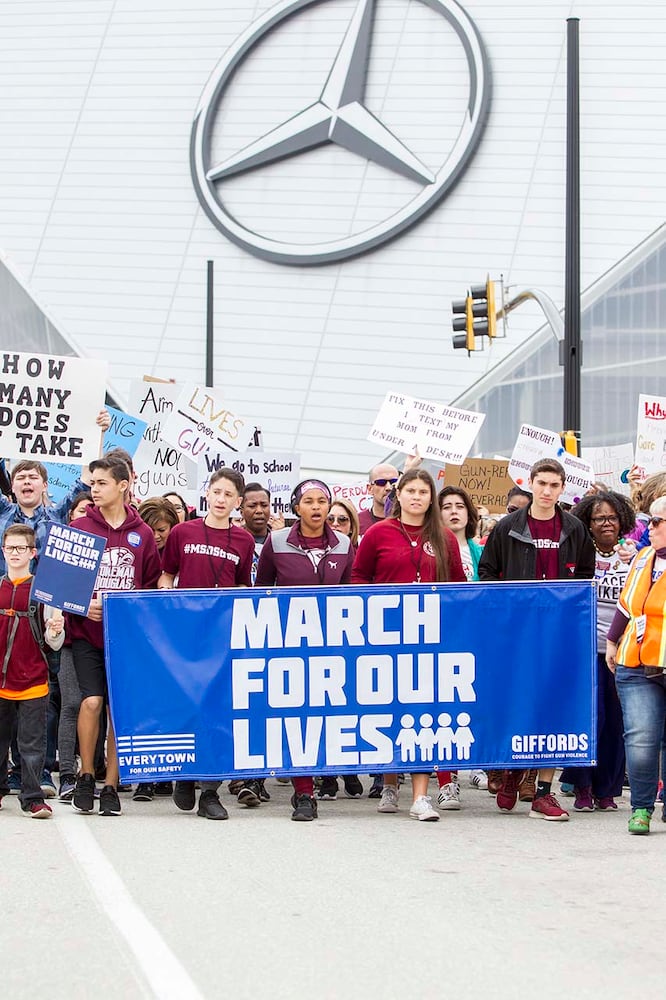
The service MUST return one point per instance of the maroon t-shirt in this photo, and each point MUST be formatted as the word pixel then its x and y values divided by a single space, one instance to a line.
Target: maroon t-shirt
pixel 386 555
pixel 201 556
pixel 546 535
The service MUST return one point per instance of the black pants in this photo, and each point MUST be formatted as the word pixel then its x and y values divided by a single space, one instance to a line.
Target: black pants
pixel 30 716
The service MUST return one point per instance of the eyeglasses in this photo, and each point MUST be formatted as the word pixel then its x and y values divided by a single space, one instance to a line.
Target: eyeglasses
pixel 654 522
pixel 335 519
pixel 384 482
pixel 609 519
pixel 512 509
pixel 18 549
pixel 178 507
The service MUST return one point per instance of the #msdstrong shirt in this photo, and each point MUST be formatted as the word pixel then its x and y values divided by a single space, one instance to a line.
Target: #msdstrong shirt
pixel 130 562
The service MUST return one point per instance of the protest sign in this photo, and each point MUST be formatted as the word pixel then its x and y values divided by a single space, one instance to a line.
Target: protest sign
pixel 434 430
pixel 61 479
pixel 357 494
pixel 486 480
pixel 200 420
pixel 159 467
pixel 651 434
pixel 48 407
pixel 67 568
pixel 336 680
pixel 610 463
pixel 535 443
pixel 277 472
pixel 125 431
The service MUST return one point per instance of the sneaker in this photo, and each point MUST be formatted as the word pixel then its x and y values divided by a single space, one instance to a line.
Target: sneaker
pixel 305 808
pixel 640 822
pixel 144 792
pixel 328 789
pixel 37 810
pixel 389 799
pixel 583 802
pixel 163 788
pixel 605 804
pixel 67 786
pixel 14 782
pixel 376 787
pixel 507 796
pixel 353 787
pixel 495 779
pixel 235 786
pixel 527 787
pixel 449 796
pixel 210 806
pixel 263 794
pixel 422 810
pixel 109 803
pixel 281 781
pixel 123 789
pixel 547 807
pixel 47 785
pixel 249 794
pixel 83 798
pixel 479 779
pixel 567 790
pixel 183 795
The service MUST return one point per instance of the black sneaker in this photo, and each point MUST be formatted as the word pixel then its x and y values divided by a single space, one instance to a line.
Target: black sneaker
pixel 305 808
pixel 109 803
pixel 353 787
pixel 235 786
pixel 263 794
pixel 123 789
pixel 163 788
pixel 67 786
pixel 83 799
pixel 328 789
pixel 210 806
pixel 377 787
pixel 183 795
pixel 249 794
pixel 144 792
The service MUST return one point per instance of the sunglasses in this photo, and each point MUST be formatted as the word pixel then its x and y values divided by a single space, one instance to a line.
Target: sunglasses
pixel 335 519
pixel 654 522
pixel 512 509
pixel 385 482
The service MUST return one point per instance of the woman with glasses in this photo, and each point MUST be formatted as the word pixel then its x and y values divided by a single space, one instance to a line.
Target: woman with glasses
pixel 179 506
pixel 608 517
pixel 342 517
pixel 636 654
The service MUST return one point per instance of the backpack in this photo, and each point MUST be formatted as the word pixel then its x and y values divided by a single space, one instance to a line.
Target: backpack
pixel 36 620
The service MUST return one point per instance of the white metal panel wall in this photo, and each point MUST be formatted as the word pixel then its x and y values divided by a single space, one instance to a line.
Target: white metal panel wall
pixel 98 212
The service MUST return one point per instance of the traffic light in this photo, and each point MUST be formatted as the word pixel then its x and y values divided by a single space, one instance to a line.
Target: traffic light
pixel 475 315
pixel 463 319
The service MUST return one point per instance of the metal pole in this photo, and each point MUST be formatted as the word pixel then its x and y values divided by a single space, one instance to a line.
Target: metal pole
pixel 209 323
pixel 571 347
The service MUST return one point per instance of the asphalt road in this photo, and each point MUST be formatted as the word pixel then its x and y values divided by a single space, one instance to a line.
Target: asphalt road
pixel 163 904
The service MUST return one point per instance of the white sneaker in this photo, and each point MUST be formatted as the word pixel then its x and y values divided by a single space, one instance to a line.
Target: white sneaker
pixel 389 800
pixel 449 796
pixel 422 809
pixel 478 779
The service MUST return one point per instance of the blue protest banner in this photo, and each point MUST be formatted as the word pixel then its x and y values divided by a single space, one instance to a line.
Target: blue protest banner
pixel 67 568
pixel 352 679
pixel 125 431
pixel 61 478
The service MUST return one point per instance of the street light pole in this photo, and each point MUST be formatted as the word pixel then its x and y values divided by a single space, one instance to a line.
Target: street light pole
pixel 571 347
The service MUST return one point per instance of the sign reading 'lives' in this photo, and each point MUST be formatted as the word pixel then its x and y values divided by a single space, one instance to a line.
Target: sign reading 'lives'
pixel 351 679
pixel 67 569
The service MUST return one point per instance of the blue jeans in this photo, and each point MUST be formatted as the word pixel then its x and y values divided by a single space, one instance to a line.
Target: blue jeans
pixel 644 711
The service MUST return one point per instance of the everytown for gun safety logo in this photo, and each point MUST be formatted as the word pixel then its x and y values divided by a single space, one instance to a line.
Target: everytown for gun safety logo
pixel 145 755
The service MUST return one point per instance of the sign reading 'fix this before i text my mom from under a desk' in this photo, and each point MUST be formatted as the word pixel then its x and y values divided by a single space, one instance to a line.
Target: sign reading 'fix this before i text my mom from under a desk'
pixel 431 429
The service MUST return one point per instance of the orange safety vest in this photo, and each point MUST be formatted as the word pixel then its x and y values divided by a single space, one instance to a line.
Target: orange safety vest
pixel 640 596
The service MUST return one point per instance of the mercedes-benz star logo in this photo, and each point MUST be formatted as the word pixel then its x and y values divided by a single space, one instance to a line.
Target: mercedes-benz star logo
pixel 339 116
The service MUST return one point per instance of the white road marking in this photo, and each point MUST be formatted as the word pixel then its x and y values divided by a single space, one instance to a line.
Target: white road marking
pixel 164 973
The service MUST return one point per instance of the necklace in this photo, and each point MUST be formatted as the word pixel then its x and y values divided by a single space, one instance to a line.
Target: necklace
pixel 601 552
pixel 213 567
pixel 412 539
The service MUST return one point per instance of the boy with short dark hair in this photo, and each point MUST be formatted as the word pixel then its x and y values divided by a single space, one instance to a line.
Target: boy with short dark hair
pixel 24 672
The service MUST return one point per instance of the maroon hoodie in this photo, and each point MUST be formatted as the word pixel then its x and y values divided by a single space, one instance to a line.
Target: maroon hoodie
pixel 131 561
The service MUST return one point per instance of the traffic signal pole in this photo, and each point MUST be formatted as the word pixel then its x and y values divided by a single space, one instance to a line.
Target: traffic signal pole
pixel 571 347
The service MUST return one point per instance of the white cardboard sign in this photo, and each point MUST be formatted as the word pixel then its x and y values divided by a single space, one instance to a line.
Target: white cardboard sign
pixel 433 429
pixel 651 434
pixel 201 420
pixel 48 407
pixel 159 466
pixel 609 463
pixel 535 443
pixel 278 472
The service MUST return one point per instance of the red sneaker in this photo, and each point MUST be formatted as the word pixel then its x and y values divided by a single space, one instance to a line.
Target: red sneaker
pixel 37 810
pixel 507 795
pixel 547 807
